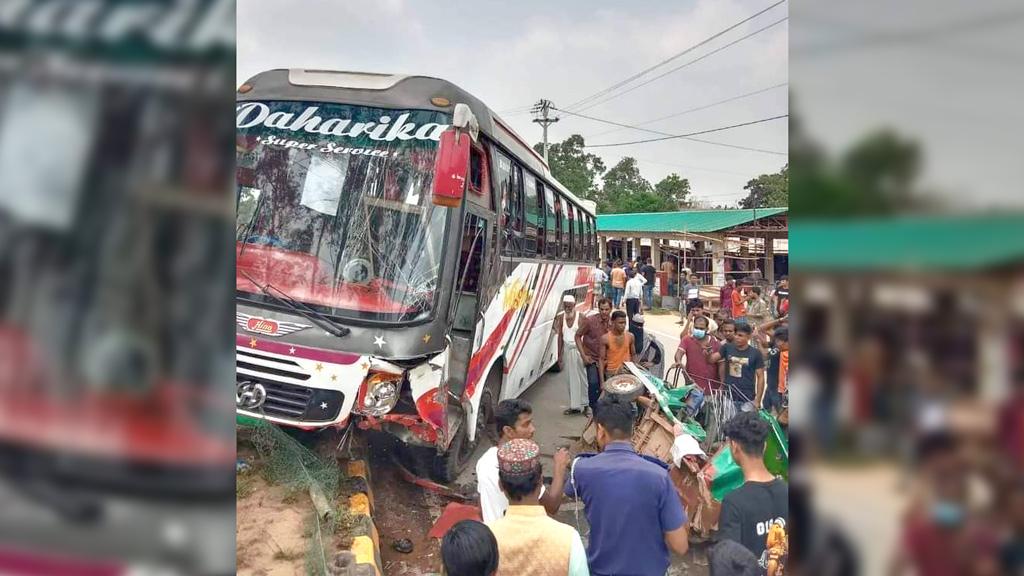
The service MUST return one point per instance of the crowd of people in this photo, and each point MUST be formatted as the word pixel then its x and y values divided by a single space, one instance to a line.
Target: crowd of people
pixel 635 516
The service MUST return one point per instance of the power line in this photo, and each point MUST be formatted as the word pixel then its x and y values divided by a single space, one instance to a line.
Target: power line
pixel 684 65
pixel 682 166
pixel 671 58
pixel 697 108
pixel 751 123
pixel 668 135
pixel 516 110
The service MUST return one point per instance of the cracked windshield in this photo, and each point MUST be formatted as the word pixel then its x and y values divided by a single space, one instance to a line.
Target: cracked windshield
pixel 334 208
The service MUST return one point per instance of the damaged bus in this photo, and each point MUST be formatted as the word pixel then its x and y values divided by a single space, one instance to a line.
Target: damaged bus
pixel 401 255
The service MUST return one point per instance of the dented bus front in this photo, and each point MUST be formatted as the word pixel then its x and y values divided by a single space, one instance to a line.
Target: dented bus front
pixel 340 274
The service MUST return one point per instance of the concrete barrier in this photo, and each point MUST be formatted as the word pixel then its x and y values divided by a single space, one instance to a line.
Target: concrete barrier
pixel 365 549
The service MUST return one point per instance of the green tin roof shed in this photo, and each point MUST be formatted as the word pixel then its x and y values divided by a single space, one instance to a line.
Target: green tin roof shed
pixel 695 221
pixel 908 243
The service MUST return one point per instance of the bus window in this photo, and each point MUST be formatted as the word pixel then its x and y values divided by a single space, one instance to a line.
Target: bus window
pixel 581 236
pixel 564 235
pixel 591 244
pixel 559 228
pixel 502 175
pixel 533 215
pixel 586 237
pixel 571 230
pixel 551 222
pixel 541 228
pixel 478 176
pixel 516 198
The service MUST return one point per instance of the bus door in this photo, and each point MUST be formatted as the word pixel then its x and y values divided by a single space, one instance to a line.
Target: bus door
pixel 467 297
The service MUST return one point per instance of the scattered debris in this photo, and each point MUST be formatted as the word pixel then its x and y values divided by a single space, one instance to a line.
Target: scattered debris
pixel 241 466
pixel 323 507
pixel 429 484
pixel 403 545
pixel 345 564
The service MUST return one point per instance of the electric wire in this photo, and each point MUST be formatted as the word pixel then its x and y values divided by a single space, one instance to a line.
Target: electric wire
pixel 699 132
pixel 685 64
pixel 621 83
pixel 667 135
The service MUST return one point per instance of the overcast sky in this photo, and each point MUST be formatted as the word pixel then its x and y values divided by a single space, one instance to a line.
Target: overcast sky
pixel 510 54
pixel 946 73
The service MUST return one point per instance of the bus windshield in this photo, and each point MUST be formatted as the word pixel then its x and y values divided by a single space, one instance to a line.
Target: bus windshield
pixel 334 208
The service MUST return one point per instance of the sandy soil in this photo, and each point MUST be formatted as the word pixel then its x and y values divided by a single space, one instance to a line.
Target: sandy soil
pixel 270 535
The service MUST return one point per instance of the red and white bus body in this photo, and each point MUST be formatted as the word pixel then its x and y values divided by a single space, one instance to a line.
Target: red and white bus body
pixel 418 313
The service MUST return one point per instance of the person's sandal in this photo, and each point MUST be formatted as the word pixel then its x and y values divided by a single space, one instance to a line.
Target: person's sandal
pixel 571 411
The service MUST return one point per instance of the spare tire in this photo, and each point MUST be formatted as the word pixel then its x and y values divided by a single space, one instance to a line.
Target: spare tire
pixel 625 386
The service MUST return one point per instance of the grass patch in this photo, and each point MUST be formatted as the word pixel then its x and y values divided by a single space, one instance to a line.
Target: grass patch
pixel 245 484
pixel 287 556
pixel 292 496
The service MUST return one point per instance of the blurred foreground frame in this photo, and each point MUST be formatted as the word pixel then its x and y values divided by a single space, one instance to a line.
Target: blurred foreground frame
pixel 116 299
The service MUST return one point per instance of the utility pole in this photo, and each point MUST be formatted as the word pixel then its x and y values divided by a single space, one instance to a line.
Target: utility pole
pixel 543 108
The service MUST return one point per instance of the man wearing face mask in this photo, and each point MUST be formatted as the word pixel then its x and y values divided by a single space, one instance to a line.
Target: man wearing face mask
pixel 634 512
pixel 757 513
pixel 700 349
pixel 940 536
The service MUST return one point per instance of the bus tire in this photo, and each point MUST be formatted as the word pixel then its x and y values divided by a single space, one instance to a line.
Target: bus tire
pixel 488 404
pixel 449 465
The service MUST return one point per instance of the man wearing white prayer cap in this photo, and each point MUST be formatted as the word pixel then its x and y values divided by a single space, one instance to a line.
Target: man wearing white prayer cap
pixel 567 322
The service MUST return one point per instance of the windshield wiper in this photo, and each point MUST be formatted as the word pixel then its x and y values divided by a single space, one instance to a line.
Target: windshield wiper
pixel 251 225
pixel 318 318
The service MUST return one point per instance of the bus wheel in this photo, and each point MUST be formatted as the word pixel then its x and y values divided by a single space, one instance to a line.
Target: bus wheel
pixel 449 465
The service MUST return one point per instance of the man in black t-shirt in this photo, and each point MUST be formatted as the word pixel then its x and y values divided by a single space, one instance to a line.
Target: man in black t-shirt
pixel 742 369
pixel 649 273
pixel 776 396
pixel 780 299
pixel 757 513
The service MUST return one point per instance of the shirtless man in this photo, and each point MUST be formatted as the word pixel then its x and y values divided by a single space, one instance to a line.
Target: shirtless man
pixel 616 348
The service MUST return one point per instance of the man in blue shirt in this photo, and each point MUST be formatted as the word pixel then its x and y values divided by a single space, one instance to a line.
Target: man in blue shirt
pixel 634 512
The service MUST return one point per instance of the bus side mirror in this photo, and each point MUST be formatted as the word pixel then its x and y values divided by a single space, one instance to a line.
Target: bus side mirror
pixel 451 167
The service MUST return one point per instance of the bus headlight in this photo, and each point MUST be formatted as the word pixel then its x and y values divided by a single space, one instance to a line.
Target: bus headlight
pixel 381 394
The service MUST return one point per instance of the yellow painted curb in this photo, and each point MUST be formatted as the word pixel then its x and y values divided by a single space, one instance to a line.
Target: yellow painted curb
pixel 365 552
pixel 359 504
pixel 359 469
pixel 365 547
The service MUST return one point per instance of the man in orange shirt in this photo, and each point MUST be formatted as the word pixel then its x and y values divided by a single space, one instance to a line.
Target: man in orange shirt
pixel 616 348
pixel 739 309
pixel 618 283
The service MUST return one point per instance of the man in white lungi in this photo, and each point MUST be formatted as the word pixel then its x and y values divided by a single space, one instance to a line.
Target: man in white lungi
pixel 569 360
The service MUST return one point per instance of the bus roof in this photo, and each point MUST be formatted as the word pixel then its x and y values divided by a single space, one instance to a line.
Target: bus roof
pixel 397 91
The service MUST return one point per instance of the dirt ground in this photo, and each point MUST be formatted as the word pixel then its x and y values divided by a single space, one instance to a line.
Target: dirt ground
pixel 271 526
pixel 274 524
pixel 412 519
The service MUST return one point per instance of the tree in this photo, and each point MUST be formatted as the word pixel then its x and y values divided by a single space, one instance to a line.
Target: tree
pixel 673 190
pixel 576 169
pixel 884 166
pixel 626 190
pixel 768 190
